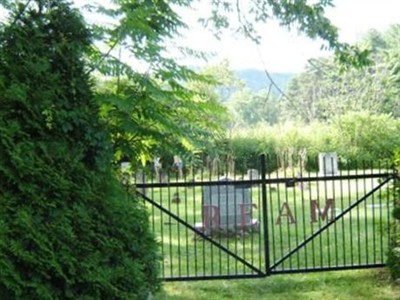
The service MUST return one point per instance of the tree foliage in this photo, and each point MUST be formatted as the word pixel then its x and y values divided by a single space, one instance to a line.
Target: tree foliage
pixel 250 108
pixel 393 260
pixel 67 229
pixel 325 90
pixel 146 29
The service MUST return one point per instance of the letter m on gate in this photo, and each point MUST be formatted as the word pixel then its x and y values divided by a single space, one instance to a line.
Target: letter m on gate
pixel 323 214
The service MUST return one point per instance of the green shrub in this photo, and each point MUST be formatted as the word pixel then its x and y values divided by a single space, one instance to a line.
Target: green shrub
pixel 246 153
pixel 67 228
pixel 357 138
pixel 394 247
pixel 362 136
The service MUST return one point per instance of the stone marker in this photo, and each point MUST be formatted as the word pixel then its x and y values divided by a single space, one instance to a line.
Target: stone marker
pixel 252 174
pixel 227 208
pixel 175 198
pixel 328 163
pixel 140 177
pixel 126 172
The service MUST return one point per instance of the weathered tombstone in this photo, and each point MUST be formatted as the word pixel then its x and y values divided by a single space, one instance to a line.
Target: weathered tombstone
pixel 140 178
pixel 126 172
pixel 178 165
pixel 163 176
pixel 176 198
pixel 302 185
pixel 157 168
pixel 328 163
pixel 252 174
pixel 227 208
pixel 125 167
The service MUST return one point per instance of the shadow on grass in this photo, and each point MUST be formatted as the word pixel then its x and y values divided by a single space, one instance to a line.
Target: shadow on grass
pixel 357 284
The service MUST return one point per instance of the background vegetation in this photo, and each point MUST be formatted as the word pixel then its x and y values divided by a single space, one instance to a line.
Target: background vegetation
pixel 73 107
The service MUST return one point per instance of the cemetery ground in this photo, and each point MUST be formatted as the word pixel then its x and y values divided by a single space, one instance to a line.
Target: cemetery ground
pixel 356 238
pixel 334 285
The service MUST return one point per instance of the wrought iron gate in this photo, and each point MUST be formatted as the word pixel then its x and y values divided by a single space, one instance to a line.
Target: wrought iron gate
pixel 263 223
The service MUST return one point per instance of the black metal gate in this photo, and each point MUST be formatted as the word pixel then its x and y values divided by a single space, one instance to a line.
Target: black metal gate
pixel 263 223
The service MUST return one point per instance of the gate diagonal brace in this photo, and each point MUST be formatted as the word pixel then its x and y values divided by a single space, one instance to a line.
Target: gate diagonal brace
pixel 327 225
pixel 198 232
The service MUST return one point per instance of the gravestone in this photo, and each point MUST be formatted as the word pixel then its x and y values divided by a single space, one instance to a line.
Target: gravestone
pixel 163 176
pixel 328 163
pixel 126 172
pixel 227 208
pixel 176 198
pixel 140 177
pixel 125 167
pixel 252 174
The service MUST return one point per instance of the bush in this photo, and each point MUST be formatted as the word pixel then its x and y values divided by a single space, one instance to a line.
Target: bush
pixel 246 153
pixel 67 228
pixel 361 136
pixel 394 247
pixel 357 137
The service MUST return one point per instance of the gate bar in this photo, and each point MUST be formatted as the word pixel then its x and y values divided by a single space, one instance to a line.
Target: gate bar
pixel 265 214
pixel 260 181
pixel 323 228
pixel 183 222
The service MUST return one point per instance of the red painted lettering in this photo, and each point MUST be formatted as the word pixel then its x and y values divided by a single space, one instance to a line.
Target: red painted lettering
pixel 211 216
pixel 245 210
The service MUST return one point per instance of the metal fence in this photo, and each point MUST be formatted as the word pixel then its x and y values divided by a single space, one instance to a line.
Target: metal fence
pixel 215 224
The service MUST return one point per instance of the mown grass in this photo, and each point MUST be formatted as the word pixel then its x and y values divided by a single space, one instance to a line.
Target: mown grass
pixel 338 285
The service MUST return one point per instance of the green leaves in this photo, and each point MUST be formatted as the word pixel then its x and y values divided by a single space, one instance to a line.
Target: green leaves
pixel 329 88
pixel 67 228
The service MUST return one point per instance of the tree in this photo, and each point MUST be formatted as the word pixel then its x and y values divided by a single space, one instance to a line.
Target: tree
pixel 145 29
pixel 389 57
pixel 366 137
pixel 250 108
pixel 326 90
pixel 67 228
pixel 302 100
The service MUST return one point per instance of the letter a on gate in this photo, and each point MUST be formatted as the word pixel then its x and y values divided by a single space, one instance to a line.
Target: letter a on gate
pixel 285 212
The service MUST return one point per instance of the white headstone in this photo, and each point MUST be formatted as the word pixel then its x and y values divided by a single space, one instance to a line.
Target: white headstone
pixel 328 163
pixel 126 172
pixel 226 207
pixel 252 174
pixel 125 167
pixel 140 177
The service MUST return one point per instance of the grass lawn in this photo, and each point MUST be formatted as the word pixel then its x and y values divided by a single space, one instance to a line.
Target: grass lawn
pixel 338 285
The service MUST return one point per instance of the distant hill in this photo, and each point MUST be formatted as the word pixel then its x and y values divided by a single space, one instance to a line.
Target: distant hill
pixel 257 80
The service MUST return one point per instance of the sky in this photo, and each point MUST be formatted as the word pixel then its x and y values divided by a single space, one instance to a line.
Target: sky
pixel 280 50
pixel 288 52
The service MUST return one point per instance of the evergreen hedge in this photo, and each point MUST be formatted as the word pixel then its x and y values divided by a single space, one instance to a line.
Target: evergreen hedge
pixel 67 228
pixel 394 247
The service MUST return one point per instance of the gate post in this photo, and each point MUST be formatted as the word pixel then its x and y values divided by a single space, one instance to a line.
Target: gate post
pixel 265 213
